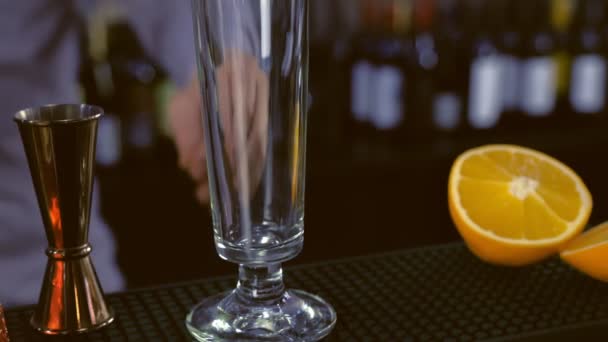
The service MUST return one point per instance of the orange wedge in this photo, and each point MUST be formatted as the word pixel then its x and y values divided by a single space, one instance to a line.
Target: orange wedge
pixel 589 252
pixel 515 206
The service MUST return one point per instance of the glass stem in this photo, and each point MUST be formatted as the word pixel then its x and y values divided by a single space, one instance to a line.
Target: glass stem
pixel 262 283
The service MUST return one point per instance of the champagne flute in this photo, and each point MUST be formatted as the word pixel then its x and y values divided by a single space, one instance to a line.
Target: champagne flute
pixel 253 70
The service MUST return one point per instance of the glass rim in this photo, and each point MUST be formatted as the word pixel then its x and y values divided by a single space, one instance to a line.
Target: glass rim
pixel 85 112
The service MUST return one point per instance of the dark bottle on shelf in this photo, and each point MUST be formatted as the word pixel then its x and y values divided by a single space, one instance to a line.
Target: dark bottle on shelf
pixel 392 80
pixel 538 70
pixel 425 60
pixel 451 73
pixel 98 87
pixel 325 84
pixel 587 93
pixel 561 18
pixel 510 44
pixel 484 101
pixel 361 71
pixel 136 81
pixel 378 79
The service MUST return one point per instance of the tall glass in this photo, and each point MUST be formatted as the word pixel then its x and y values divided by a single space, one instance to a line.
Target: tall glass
pixel 253 69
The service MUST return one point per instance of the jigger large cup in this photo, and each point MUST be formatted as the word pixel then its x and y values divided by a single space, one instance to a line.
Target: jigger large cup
pixel 59 142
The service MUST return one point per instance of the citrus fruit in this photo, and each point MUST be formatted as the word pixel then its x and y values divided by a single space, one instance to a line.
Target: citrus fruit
pixel 588 252
pixel 513 205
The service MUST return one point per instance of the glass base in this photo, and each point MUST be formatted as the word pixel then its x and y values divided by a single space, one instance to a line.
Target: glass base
pixel 295 316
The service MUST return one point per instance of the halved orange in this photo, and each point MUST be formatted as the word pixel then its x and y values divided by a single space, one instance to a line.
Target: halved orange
pixel 589 252
pixel 513 205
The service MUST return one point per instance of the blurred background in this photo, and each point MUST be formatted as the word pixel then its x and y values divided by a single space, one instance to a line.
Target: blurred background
pixel 398 89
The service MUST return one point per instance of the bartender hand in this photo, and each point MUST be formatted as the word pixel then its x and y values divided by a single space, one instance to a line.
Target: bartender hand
pixel 185 122
pixel 243 105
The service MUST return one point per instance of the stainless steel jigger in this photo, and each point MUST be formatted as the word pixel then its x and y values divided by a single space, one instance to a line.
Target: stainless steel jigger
pixel 59 142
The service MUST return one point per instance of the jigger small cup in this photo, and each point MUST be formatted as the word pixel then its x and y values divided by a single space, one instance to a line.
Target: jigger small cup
pixel 59 141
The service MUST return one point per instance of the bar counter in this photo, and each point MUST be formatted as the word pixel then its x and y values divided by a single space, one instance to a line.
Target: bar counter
pixel 431 293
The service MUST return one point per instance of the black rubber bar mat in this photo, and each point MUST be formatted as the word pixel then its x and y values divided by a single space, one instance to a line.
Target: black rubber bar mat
pixel 428 294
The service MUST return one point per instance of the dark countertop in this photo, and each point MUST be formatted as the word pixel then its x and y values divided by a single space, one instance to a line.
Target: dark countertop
pixel 430 293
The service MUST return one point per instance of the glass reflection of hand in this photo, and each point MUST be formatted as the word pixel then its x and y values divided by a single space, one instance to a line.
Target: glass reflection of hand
pixel 185 122
pixel 243 94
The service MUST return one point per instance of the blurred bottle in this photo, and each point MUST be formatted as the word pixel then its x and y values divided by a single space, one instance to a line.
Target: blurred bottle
pixel 539 69
pixel 451 73
pixel 326 85
pixel 485 99
pixel 97 80
pixel 510 43
pixel 362 73
pixel 393 79
pixel 390 75
pixel 136 82
pixel 425 63
pixel 378 76
pixel 561 18
pixel 588 72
